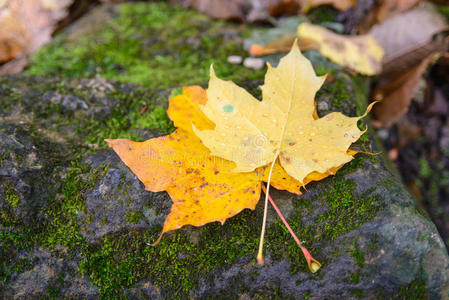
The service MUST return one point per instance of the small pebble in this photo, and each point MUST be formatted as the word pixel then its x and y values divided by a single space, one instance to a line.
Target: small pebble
pixel 235 59
pixel 323 105
pixel 254 63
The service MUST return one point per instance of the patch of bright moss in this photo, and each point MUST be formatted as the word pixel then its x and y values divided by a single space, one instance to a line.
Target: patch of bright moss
pixel 126 119
pixel 64 229
pixel 156 118
pixel 174 264
pixel 414 290
pixel 359 258
pixel 11 196
pixel 425 171
pixel 133 217
pixel 146 45
pixel 8 216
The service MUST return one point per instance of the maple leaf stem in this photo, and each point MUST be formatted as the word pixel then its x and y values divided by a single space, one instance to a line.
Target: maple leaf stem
pixel 313 264
pixel 264 222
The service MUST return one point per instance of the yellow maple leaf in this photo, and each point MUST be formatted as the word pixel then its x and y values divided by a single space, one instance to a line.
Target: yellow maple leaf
pixel 283 125
pixel 254 133
pixel 362 53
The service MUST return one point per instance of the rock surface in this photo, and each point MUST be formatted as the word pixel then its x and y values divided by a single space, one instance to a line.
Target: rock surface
pixel 76 223
pixel 66 204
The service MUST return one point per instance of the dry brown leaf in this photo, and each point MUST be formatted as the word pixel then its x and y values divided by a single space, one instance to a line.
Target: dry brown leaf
pixel 26 25
pixel 408 38
pixel 395 94
pixel 341 5
pixel 12 36
pixel 228 10
pixel 257 10
pixel 389 8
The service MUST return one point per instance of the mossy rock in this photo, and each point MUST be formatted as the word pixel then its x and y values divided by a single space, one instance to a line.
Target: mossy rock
pixel 93 220
pixel 152 44
pixel 76 223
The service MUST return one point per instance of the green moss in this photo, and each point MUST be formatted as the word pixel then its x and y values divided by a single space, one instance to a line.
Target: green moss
pixel 145 45
pixel 11 196
pixel 136 109
pixel 354 278
pixel 64 229
pixel 8 216
pixel 358 293
pixel 4 156
pixel 175 264
pixel 9 97
pixel 337 91
pixel 425 170
pixel 157 118
pixel 416 290
pixel 347 210
pixel 14 239
pixel 358 256
pixel 20 265
pixel 133 217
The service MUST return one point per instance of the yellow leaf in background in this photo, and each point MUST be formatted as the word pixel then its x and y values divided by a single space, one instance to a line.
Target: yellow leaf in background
pixel 361 53
pixel 254 133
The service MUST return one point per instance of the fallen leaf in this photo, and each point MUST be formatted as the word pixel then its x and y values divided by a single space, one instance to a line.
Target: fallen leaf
pixel 228 10
pixel 341 5
pixel 389 8
pixel 361 53
pixel 395 94
pixel 203 188
pixel 409 38
pixel 255 133
pixel 12 36
pixel 383 10
pixel 257 10
pixel 24 27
